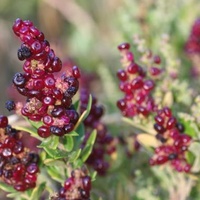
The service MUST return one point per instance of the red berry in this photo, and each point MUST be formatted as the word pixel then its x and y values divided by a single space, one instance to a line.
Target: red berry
pixel 137 83
pixel 157 59
pixel 76 72
pixel 43 131
pixel 32 168
pixel 124 46
pixel 3 121
pixel 171 122
pixel 132 68
pixel 148 85
pixel 121 74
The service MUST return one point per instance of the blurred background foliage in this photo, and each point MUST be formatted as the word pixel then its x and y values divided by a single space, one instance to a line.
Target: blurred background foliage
pixel 88 32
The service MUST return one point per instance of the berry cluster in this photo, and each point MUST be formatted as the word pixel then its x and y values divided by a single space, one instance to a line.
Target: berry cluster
pixel 174 141
pixel 18 166
pixel 193 42
pixel 105 143
pixel 135 85
pixel 76 187
pixel 49 98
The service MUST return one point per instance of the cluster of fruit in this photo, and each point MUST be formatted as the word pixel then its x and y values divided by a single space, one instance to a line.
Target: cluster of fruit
pixel 18 165
pixel 76 187
pixel 174 141
pixel 135 84
pixel 49 98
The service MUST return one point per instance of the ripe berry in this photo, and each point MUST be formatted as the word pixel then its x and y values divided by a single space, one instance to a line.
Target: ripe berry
pixel 133 68
pixel 124 46
pixel 76 72
pixel 122 75
pixel 3 121
pixel 23 53
pixel 32 168
pixel 157 59
pixel 137 83
pixel 43 131
pixel 10 105
pixel 19 80
pixel 57 131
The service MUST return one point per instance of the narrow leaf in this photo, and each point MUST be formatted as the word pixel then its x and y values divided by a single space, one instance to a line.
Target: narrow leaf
pixel 147 140
pixel 195 149
pixel 30 130
pixel 7 188
pixel 55 173
pixel 37 191
pixel 50 142
pixel 88 146
pixel 85 113
pixel 74 156
pixel 68 143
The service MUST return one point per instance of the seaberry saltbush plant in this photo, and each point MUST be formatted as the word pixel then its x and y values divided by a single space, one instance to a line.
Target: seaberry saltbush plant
pixel 76 143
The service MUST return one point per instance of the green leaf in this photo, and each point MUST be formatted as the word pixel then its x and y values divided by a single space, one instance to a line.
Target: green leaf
pixel 73 156
pixel 194 148
pixel 37 191
pixel 43 155
pixel 55 173
pixel 31 130
pixel 93 176
pixel 88 146
pixel 56 153
pixel 85 113
pixel 76 105
pixel 7 188
pixel 190 157
pixel 53 162
pixel 73 133
pixel 78 163
pixel 68 143
pixel 13 195
pixel 50 142
pixel 35 124
pixel 190 126
pixel 78 140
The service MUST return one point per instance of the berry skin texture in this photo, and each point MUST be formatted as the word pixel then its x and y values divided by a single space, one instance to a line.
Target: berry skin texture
pixel 3 121
pixel 174 141
pixel 77 186
pixel 136 86
pixel 124 46
pixel 10 105
pixel 47 93
pixel 19 166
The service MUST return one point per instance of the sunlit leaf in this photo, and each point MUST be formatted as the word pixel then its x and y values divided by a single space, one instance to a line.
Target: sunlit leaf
pixel 93 176
pixel 30 130
pixel 35 124
pixel 195 149
pixel 7 188
pixel 55 174
pixel 147 140
pixel 190 157
pixel 53 162
pixel 37 191
pixel 191 128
